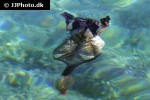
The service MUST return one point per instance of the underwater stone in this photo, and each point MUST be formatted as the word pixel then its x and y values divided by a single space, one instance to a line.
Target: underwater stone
pixel 46 21
pixel 11 77
pixel 8 25
pixel 60 98
pixel 48 90
pixel 85 2
pixel 134 87
pixel 19 78
pixel 68 4
pixel 123 2
pixel 143 96
pixel 5 25
pixel 115 33
pixel 20 73
pixel 13 97
pixel 61 25
pixel 91 88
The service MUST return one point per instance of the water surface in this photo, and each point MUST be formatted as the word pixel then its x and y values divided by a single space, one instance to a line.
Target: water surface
pixel 28 38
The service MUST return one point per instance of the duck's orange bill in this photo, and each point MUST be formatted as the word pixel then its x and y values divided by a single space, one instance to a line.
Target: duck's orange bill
pixel 63 91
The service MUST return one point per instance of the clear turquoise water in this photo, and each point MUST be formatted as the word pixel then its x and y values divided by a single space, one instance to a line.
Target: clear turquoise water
pixel 27 39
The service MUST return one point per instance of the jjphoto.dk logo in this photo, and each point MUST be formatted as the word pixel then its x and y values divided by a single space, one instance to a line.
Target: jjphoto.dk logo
pixel 12 5
pixel 6 5
pixel 25 5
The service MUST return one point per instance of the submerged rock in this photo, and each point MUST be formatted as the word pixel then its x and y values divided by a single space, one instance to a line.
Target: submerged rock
pixel 19 78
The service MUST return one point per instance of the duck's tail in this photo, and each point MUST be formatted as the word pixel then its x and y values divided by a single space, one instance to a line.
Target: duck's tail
pixel 67 16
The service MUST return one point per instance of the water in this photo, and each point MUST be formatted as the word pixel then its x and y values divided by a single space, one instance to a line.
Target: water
pixel 28 38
